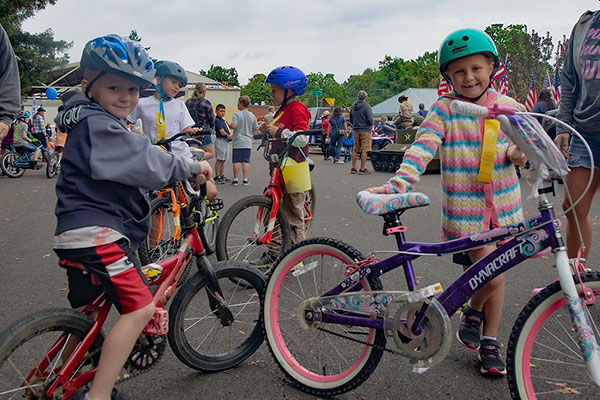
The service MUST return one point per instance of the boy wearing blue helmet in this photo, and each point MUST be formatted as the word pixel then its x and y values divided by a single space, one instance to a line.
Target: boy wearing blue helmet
pixel 287 83
pixel 102 212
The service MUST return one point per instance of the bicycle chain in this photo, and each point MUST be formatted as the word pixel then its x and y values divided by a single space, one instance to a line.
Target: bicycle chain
pixel 375 346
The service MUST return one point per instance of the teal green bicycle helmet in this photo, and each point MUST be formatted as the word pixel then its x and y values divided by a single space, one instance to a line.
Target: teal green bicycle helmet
pixel 171 68
pixel 465 42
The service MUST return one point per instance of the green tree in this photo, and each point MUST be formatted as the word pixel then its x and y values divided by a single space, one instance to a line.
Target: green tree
pixel 37 53
pixel 228 76
pixel 257 89
pixel 527 52
pixel 327 84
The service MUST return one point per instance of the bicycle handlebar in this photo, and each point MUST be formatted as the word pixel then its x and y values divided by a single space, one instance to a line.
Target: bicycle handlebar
pixel 265 138
pixel 474 110
pixel 205 131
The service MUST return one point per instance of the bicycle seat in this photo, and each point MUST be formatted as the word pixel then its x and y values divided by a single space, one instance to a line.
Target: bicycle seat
pixel 379 204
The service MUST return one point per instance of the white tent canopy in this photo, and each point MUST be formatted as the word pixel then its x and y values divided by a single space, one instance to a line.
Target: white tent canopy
pixel 415 96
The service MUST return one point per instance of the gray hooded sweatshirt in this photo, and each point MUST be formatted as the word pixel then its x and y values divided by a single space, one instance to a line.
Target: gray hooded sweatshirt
pixel 361 116
pixel 104 169
pixel 580 78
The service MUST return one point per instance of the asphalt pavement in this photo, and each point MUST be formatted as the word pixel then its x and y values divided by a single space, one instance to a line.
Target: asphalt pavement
pixel 30 280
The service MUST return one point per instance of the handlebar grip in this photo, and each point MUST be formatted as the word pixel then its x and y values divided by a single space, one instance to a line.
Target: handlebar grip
pixel 464 108
pixel 201 180
pixel 259 136
pixel 310 132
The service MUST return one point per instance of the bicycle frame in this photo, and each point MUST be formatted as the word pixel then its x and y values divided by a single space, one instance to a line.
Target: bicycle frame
pixel 23 161
pixel 172 270
pixel 524 240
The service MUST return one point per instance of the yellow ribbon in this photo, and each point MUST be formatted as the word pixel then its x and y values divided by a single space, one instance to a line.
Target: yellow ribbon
pixel 488 150
pixel 161 130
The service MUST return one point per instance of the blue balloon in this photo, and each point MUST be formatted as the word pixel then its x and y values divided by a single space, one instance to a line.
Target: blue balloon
pixel 51 93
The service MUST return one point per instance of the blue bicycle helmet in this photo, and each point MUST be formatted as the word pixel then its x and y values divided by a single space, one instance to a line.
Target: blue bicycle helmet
pixel 288 77
pixel 112 53
pixel 23 114
pixel 171 68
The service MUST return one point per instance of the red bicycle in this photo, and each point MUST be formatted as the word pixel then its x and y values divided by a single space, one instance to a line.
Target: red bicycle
pixel 212 324
pixel 255 229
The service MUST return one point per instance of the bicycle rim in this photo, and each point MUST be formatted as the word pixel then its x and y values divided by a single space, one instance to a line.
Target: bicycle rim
pixel 28 366
pixel 544 360
pixel 196 333
pixel 7 162
pixel 319 362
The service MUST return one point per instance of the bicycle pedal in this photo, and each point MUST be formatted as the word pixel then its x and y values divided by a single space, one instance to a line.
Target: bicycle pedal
pixel 159 324
pixel 216 204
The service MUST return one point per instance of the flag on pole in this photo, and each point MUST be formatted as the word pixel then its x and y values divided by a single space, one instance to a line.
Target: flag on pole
pixel 546 84
pixel 444 86
pixel 531 97
pixel 503 85
pixel 500 72
pixel 556 87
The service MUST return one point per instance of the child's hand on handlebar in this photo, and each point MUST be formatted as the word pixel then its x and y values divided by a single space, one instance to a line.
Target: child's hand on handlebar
pixel 515 155
pixel 206 169
pixel 270 130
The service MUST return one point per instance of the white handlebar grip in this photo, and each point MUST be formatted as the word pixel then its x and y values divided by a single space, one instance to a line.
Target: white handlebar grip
pixel 464 108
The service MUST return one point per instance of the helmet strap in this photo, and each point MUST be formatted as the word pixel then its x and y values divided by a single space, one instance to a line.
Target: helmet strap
pixel 89 86
pixel 286 98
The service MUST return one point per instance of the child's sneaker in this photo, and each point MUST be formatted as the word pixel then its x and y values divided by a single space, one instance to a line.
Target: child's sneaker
pixel 245 182
pixel 235 182
pixel 264 261
pixel 490 358
pixel 80 394
pixel 469 330
pixel 364 171
pixel 219 180
pixel 353 171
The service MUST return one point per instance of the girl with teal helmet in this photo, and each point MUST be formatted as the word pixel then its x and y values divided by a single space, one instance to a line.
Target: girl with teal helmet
pixel 463 43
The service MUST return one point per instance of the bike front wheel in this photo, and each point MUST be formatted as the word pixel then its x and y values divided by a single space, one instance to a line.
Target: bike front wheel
pixel 33 350
pixel 8 167
pixel 327 359
pixel 197 333
pixel 544 359
pixel 244 224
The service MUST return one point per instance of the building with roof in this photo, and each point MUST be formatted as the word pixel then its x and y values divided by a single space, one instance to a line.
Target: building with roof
pixel 415 96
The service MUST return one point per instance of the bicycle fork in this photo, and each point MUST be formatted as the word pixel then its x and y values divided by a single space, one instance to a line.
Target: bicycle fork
pixel 577 308
pixel 218 305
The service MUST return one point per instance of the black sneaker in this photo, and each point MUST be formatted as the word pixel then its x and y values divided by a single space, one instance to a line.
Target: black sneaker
pixel 364 171
pixel 219 180
pixel 490 358
pixel 235 182
pixel 264 261
pixel 469 330
pixel 80 394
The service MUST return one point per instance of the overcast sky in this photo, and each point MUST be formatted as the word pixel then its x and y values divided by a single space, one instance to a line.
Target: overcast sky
pixel 339 37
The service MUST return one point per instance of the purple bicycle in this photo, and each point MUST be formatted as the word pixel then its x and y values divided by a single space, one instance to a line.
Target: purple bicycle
pixel 328 320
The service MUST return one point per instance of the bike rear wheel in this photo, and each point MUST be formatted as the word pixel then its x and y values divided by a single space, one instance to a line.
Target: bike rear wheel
pixel 319 362
pixel 7 165
pixel 28 366
pixel 53 167
pixel 243 224
pixel 160 242
pixel 196 333
pixel 544 360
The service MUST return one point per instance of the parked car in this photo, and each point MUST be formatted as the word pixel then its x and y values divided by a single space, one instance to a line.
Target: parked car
pixel 315 123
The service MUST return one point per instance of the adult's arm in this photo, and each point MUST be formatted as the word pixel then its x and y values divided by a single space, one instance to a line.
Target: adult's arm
pixel 568 94
pixel 10 84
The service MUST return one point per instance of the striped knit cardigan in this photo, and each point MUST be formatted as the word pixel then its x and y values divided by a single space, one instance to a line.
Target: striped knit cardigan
pixel 468 206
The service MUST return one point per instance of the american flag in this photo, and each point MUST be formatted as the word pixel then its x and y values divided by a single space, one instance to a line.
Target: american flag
pixel 501 71
pixel 531 97
pixel 503 85
pixel 444 86
pixel 556 87
pixel 546 84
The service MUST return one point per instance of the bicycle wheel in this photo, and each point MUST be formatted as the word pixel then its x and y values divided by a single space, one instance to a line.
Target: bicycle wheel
pixel 309 210
pixel 208 233
pixel 32 352
pixel 544 360
pixel 243 224
pixel 53 167
pixel 196 334
pixel 160 242
pixel 7 165
pixel 330 359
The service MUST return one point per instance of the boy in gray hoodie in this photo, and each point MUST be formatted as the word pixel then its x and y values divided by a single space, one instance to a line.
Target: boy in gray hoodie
pixel 361 117
pixel 580 108
pixel 102 213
